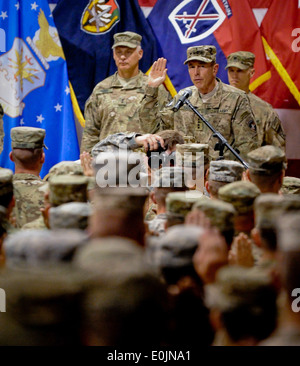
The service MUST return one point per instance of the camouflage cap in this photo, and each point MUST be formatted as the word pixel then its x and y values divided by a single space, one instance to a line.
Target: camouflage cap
pixel 42 246
pixel 119 172
pixel 266 160
pixel 290 185
pixel 66 168
pixel 205 54
pixel 269 207
pixel 238 286
pixel 181 203
pixel 192 155
pixel 72 215
pixel 221 214
pixel 100 252
pixel 288 232
pixel 225 171
pixel 43 305
pixel 127 39
pixel 127 202
pixel 240 194
pixel 6 181
pixel 177 246
pixel 66 188
pixel 27 138
pixel 169 177
pixel 241 59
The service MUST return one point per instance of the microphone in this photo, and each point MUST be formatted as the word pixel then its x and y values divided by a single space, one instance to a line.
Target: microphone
pixel 182 99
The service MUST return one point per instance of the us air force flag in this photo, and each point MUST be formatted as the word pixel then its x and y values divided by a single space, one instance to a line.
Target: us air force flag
pixel 34 87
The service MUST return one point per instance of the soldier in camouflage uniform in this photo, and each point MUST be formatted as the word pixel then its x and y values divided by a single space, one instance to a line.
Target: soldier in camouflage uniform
pixel 269 128
pixel 179 204
pixel 28 156
pixel 1 129
pixel 194 158
pixel 221 215
pixel 290 185
pixel 241 195
pixel 288 233
pixel 226 108
pixel 268 209
pixel 222 172
pixel 243 308
pixel 113 105
pixel 168 179
pixel 59 190
pixel 267 166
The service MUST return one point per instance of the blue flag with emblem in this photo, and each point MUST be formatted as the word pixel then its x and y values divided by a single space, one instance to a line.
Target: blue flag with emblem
pixel 178 25
pixel 86 29
pixel 34 86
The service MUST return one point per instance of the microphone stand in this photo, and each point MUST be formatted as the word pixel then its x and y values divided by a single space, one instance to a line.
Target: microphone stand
pixel 222 141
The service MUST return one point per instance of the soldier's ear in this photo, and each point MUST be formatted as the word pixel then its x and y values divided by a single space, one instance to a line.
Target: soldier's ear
pixel 207 186
pixel 140 52
pixel 43 158
pixel 252 72
pixel 11 157
pixel 215 69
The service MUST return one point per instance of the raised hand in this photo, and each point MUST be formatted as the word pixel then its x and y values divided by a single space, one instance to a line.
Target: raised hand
pixel 158 73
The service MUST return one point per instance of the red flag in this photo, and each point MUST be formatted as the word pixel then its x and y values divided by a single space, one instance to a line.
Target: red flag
pixel 240 32
pixel 280 29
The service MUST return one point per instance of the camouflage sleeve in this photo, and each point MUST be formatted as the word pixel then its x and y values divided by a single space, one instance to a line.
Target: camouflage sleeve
pixel 274 134
pixel 113 142
pixel 91 132
pixel 1 129
pixel 244 128
pixel 152 116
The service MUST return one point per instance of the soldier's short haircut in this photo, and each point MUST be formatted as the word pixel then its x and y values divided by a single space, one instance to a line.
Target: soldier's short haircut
pixel 264 180
pixel 171 137
pixel 27 157
pixel 214 187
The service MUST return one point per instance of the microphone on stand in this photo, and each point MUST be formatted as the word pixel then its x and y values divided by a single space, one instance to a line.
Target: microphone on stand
pixel 182 99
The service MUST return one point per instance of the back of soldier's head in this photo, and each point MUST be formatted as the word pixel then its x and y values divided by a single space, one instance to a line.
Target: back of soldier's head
pixel 266 166
pixel 246 300
pixel 221 215
pixel 175 250
pixel 27 145
pixel 268 209
pixel 35 247
pixel 179 204
pixel 241 195
pixel 67 188
pixel 72 215
pixel 43 305
pixel 126 304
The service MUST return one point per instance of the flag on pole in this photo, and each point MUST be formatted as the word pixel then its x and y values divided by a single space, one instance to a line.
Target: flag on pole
pixel 229 25
pixel 86 29
pixel 34 85
pixel 280 31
